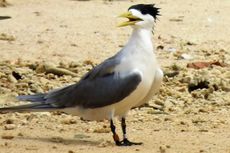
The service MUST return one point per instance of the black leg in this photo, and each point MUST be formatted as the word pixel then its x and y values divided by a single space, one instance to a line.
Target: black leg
pixel 115 136
pixel 123 127
pixel 125 141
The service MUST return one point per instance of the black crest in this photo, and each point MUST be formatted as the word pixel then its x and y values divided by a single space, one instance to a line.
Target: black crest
pixel 147 9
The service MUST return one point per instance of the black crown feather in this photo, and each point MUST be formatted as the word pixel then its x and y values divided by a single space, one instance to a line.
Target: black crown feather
pixel 147 9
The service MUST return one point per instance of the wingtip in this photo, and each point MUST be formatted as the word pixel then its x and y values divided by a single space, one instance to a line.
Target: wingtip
pixel 32 98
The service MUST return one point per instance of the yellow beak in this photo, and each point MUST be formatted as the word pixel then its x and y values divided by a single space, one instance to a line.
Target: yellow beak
pixel 132 19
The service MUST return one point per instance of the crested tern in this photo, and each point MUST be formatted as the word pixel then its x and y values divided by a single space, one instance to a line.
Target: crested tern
pixel 128 79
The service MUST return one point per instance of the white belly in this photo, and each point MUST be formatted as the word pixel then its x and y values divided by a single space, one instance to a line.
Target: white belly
pixel 154 88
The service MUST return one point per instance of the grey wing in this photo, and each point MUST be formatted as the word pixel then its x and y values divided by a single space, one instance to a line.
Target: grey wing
pixel 95 93
pixel 100 87
pixel 105 67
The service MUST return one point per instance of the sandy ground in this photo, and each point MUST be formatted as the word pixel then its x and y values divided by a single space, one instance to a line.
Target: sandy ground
pixel 75 35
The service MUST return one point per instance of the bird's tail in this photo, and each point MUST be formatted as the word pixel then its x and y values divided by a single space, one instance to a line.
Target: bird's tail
pixel 37 104
pixel 40 97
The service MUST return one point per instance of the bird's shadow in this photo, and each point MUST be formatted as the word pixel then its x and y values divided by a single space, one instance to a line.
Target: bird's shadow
pixel 60 140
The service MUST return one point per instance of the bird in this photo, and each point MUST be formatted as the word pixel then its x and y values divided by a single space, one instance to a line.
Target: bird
pixel 126 80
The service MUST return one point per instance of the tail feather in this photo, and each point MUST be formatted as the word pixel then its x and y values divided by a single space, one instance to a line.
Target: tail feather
pixel 38 104
pixel 40 97
pixel 35 107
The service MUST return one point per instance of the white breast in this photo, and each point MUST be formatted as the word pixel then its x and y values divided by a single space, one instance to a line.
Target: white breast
pixel 154 88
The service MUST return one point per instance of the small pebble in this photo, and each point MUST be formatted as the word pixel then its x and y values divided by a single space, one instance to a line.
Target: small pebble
pixel 54 147
pixel 186 56
pixel 12 79
pixel 162 149
pixel 57 139
pixel 69 121
pixel 203 130
pixel 9 121
pixel 171 49
pixel 20 134
pixel 32 148
pixel 7 136
pixel 105 144
pixel 168 146
pixel 9 126
pixel 102 130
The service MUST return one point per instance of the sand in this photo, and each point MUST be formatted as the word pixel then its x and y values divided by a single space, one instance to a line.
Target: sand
pixel 76 35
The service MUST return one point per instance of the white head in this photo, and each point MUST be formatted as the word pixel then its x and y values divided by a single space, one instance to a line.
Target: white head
pixel 141 16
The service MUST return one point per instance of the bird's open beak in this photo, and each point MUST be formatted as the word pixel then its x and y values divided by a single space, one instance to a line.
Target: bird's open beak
pixel 132 19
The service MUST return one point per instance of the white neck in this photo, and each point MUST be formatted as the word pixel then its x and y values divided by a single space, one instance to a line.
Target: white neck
pixel 140 41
